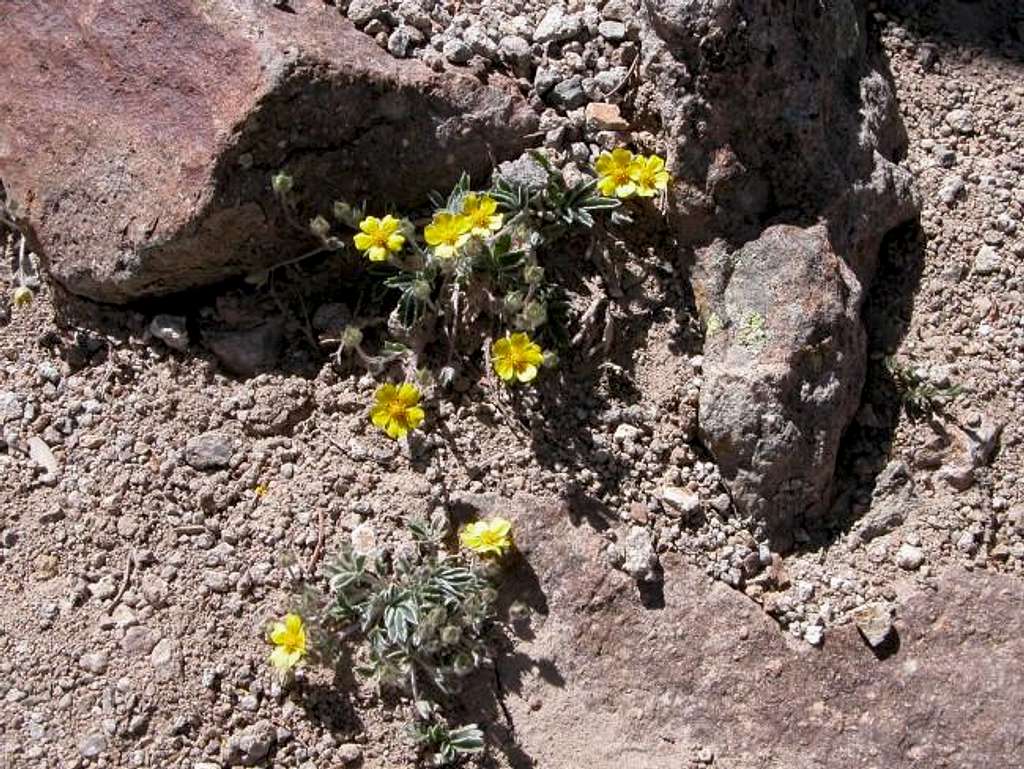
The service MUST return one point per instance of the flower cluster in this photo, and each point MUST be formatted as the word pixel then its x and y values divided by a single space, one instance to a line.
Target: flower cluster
pixel 446 234
pixel 621 174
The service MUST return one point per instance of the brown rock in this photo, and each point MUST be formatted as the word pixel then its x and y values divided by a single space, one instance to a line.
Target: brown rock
pixel 602 116
pixel 138 139
pixel 626 686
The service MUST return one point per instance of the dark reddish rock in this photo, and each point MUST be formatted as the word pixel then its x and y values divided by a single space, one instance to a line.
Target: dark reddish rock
pixel 138 138
pixel 598 680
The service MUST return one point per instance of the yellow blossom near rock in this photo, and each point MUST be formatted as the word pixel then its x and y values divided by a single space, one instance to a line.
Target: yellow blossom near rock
pixel 261 490
pixel 486 537
pixel 447 233
pixel 649 175
pixel 289 640
pixel 379 237
pixel 516 357
pixel 615 173
pixel 23 296
pixel 482 213
pixel 397 410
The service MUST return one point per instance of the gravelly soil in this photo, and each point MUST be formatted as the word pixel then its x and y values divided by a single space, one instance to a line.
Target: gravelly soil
pixel 137 588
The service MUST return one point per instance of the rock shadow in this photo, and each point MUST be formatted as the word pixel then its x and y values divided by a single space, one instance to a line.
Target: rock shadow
pixel 996 26
pixel 863 464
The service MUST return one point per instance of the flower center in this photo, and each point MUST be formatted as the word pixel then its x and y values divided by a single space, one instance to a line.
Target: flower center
pixel 621 175
pixel 396 411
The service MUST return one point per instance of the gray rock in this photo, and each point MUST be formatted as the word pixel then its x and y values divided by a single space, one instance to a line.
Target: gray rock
pixel 399 42
pixel 517 52
pixel 785 349
pixel 349 753
pixel 874 621
pixel 94 662
pixel 814 635
pixel 639 559
pixel 362 12
pixel 456 51
pixel 961 121
pixel 987 261
pixel 171 330
pixel 92 745
pixel 166 659
pixel 680 501
pixel 784 361
pixel 249 351
pixel 568 94
pixel 209 451
pixel 480 42
pixel 251 746
pixel 613 31
pixel 524 172
pixel 909 557
pixel 138 640
pixel 952 189
pixel 12 406
pixel 557 26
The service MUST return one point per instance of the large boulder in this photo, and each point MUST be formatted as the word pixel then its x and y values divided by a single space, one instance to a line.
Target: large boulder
pixel 138 139
pixel 703 677
pixel 778 113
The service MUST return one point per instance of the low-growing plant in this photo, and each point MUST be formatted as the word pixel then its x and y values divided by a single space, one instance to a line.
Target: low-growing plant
pixel 471 276
pixel 919 396
pixel 420 615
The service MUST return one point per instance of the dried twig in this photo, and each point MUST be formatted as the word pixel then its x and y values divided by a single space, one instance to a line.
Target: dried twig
pixel 128 565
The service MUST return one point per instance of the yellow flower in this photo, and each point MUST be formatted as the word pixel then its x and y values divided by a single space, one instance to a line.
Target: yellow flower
pixel 379 237
pixel 261 490
pixel 289 639
pixel 614 173
pixel 649 174
pixel 397 409
pixel 482 213
pixel 447 233
pixel 23 296
pixel 483 537
pixel 516 357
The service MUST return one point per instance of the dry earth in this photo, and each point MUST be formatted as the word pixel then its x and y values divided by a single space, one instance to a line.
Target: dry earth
pixel 139 576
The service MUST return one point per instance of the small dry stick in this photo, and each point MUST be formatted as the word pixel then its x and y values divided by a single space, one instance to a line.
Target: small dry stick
pixel 128 564
pixel 319 549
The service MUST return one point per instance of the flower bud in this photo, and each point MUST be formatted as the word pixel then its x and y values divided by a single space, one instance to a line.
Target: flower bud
pixel 550 359
pixel 450 635
pixel 534 314
pixel 351 337
pixel 320 227
pixel 533 274
pixel 463 665
pixel 518 611
pixel 513 302
pixel 23 296
pixel 282 183
pixel 421 290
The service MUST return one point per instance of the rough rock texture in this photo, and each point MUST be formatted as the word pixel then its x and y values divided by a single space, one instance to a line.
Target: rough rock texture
pixel 778 113
pixel 710 679
pixel 784 362
pixel 138 139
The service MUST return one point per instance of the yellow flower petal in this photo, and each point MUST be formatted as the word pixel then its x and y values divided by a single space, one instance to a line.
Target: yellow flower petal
pixel 395 241
pixel 362 241
pixel 527 374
